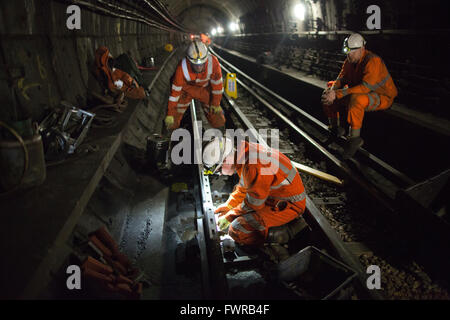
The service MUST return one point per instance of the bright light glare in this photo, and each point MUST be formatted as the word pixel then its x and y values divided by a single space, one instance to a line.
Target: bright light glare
pixel 299 11
pixel 233 26
pixel 213 31
pixel 219 29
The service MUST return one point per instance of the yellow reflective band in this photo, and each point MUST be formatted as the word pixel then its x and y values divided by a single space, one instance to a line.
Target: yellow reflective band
pixel 207 172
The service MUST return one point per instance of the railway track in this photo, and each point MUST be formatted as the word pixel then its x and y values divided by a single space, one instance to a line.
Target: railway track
pixel 358 224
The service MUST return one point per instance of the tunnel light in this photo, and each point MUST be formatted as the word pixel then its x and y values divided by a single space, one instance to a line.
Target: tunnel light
pixel 213 32
pixel 233 26
pixel 299 11
pixel 219 29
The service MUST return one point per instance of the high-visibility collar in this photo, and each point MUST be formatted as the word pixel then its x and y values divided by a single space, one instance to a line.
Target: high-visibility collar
pixel 187 71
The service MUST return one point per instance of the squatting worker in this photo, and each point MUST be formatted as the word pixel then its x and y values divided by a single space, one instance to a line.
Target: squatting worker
pixel 198 76
pixel 270 192
pixel 364 84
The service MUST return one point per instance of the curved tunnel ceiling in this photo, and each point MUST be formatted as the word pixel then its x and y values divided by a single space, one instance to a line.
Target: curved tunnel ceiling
pixel 202 15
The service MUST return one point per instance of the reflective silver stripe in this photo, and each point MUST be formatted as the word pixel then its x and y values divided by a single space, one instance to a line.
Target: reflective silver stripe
pixel 289 179
pixel 183 104
pixel 236 225
pixel 174 99
pixel 290 172
pixel 217 81
pixel 370 102
pixel 285 182
pixel 255 201
pixel 185 70
pixel 373 104
pixel 181 110
pixel 378 84
pixel 176 88
pixel 210 66
pixel 205 85
pixel 252 222
pixel 294 198
pixel 245 207
pixel 217 91
pixel 201 80
pixel 344 92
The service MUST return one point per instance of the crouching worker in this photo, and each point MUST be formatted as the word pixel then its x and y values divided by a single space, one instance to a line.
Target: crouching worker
pixel 198 76
pixel 364 84
pixel 113 79
pixel 270 192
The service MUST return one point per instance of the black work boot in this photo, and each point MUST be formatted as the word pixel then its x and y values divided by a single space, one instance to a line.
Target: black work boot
pixel 337 132
pixel 352 145
pixel 334 134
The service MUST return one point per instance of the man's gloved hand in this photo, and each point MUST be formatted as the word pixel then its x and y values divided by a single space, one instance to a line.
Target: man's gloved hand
pixel 216 109
pixel 223 209
pixel 169 121
pixel 328 96
pixel 118 84
pixel 223 223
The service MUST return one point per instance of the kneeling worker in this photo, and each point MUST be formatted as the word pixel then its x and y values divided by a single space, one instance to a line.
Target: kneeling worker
pixel 270 192
pixel 198 76
pixel 364 84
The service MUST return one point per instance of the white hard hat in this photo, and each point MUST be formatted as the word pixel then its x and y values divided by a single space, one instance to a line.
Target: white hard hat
pixel 197 52
pixel 352 42
pixel 215 152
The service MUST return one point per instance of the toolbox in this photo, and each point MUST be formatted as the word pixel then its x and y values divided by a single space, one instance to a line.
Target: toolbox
pixel 311 274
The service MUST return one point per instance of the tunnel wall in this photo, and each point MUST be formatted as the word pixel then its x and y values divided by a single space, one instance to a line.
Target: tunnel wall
pixel 49 63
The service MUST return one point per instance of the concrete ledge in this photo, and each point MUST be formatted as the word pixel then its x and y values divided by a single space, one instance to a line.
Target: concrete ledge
pixel 38 221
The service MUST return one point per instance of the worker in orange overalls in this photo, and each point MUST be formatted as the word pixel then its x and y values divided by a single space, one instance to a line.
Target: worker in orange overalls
pixel 364 84
pixel 198 76
pixel 116 80
pixel 270 192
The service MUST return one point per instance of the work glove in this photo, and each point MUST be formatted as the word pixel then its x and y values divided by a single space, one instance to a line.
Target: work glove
pixel 223 223
pixel 328 97
pixel 118 84
pixel 169 121
pixel 223 209
pixel 216 109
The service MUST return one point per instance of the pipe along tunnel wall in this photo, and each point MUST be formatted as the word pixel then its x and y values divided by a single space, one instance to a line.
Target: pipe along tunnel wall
pixel 49 63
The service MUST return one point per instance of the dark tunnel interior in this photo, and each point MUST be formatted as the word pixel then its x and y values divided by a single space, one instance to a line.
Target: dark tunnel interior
pixel 89 188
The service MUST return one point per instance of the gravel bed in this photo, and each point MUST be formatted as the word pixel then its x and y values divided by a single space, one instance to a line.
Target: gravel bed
pixel 356 220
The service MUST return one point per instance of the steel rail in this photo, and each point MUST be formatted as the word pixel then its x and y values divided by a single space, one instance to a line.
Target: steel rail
pixel 399 175
pixel 206 224
pixel 340 164
pixel 331 235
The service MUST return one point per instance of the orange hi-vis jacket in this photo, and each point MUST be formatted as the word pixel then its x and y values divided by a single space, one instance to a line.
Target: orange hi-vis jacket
pixel 211 77
pixel 130 86
pixel 266 177
pixel 369 75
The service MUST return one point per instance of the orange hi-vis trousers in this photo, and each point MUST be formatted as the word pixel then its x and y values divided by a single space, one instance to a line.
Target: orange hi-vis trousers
pixel 201 94
pixel 252 228
pixel 353 107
